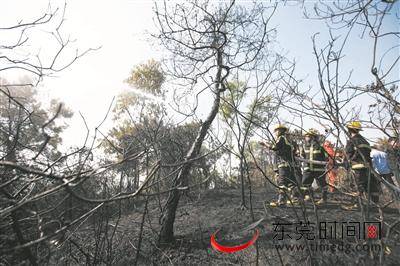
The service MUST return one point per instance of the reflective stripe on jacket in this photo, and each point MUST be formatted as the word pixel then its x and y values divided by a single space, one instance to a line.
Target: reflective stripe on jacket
pixel 315 152
pixel 358 147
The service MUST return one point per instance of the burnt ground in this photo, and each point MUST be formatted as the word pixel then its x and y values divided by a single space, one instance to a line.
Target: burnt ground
pixel 201 215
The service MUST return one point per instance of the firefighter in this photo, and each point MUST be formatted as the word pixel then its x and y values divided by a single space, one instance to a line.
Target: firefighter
pixel 314 151
pixel 358 153
pixel 285 164
pixel 332 168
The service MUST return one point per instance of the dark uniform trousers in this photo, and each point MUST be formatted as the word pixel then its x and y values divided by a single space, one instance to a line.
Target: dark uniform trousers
pixel 285 163
pixel 361 177
pixel 319 176
pixel 286 177
pixel 358 150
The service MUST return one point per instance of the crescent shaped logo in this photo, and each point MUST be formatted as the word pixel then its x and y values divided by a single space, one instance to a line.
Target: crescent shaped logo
pixel 232 249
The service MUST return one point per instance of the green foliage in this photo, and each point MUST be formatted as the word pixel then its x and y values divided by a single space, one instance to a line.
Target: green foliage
pixel 148 77
pixel 232 98
pixel 139 126
pixel 22 118
pixel 146 98
pixel 137 113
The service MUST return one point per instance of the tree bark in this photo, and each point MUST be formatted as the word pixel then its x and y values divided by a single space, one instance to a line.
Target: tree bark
pixel 168 219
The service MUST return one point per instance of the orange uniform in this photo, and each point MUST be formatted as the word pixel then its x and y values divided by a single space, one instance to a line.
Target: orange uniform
pixel 332 172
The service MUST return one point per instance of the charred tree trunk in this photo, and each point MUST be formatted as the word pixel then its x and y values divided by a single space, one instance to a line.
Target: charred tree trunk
pixel 242 170
pixel 168 219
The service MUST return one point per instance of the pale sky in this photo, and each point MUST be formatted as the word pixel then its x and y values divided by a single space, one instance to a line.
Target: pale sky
pixel 89 84
pixel 119 28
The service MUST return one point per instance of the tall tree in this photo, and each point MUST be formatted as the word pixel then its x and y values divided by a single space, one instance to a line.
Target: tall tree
pixel 29 134
pixel 244 108
pixel 27 129
pixel 139 117
pixel 206 41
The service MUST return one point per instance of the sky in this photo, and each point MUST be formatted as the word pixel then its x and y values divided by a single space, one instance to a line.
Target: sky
pixel 118 29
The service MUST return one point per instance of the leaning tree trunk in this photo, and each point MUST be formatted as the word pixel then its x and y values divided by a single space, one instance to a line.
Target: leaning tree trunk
pixel 168 219
pixel 241 167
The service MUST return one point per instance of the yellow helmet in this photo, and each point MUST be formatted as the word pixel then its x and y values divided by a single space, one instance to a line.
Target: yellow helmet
pixel 312 132
pixel 354 125
pixel 280 126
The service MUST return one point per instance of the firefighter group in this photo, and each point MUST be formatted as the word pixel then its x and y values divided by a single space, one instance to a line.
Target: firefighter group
pixel 297 167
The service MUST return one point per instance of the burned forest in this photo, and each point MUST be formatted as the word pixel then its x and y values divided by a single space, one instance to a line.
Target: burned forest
pixel 199 132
